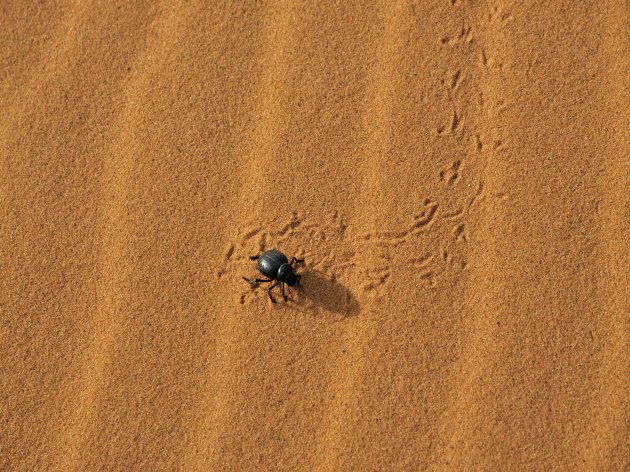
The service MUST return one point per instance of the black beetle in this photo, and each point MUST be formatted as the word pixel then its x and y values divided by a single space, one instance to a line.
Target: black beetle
pixel 276 266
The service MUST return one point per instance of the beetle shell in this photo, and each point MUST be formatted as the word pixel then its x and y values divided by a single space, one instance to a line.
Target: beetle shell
pixel 269 263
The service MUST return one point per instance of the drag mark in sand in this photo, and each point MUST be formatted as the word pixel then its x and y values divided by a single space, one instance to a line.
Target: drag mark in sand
pixel 608 427
pixel 116 177
pixel 277 35
pixel 456 426
pixel 37 271
pixel 341 421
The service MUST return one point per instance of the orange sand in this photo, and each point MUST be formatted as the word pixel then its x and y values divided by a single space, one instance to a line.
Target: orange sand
pixel 455 173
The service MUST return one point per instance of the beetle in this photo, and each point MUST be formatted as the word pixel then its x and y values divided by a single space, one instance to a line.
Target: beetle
pixel 277 267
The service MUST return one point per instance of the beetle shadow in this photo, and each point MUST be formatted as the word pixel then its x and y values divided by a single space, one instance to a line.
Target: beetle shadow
pixel 320 292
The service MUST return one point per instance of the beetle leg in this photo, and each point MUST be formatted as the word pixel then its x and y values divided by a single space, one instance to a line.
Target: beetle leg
pixel 253 281
pixel 283 294
pixel 295 260
pixel 273 300
pixel 253 258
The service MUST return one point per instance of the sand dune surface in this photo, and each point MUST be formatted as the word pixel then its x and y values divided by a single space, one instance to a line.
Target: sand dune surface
pixel 455 174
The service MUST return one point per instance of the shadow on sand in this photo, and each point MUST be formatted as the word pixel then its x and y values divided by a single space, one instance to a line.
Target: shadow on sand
pixel 322 293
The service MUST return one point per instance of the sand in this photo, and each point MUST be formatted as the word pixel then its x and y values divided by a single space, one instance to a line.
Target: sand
pixel 455 174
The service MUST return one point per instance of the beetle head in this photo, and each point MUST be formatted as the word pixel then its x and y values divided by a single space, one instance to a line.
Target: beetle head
pixel 286 274
pixel 292 280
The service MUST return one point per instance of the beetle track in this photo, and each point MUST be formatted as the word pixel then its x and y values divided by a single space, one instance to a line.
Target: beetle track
pixel 230 251
pixel 330 240
pixel 381 279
